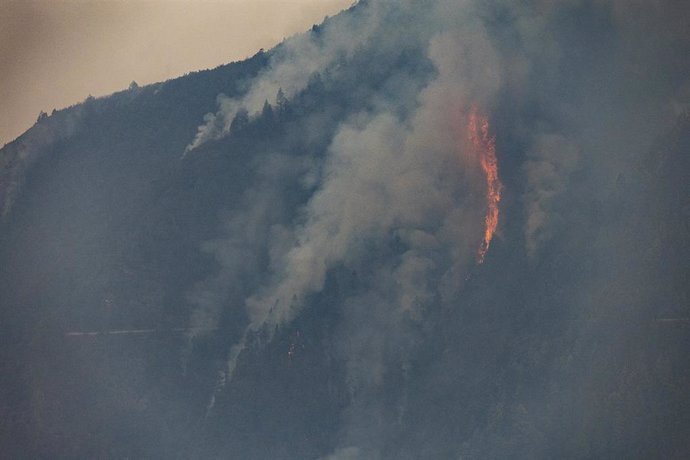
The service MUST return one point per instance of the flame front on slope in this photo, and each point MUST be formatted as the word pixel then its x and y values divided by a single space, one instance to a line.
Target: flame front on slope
pixel 484 149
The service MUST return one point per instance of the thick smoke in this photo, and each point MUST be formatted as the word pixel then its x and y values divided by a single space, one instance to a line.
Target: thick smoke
pixel 392 175
pixel 385 176
pixel 337 309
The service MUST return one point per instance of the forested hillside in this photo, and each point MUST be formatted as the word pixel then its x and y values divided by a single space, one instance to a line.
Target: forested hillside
pixel 278 258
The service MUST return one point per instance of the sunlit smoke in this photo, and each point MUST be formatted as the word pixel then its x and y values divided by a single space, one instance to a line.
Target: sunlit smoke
pixel 484 148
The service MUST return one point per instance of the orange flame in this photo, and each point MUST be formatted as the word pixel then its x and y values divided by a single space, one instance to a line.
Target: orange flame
pixel 484 147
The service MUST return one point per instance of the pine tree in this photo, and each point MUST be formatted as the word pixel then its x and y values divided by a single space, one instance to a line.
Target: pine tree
pixel 281 103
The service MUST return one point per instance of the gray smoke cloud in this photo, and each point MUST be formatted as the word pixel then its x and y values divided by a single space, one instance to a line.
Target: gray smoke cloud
pixel 384 176
pixel 337 309
pixel 548 167
pixel 406 177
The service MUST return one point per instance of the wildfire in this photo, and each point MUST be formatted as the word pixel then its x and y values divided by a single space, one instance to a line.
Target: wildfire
pixel 484 148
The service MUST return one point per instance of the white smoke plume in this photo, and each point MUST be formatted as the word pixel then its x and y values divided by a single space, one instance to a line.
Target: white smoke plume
pixel 356 223
pixel 387 176
pixel 384 177
pixel 294 63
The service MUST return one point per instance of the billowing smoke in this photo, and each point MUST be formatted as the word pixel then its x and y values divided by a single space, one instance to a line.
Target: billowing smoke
pixel 386 176
pixel 399 197
pixel 423 229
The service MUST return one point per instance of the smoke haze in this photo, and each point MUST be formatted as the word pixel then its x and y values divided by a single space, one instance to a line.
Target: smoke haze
pixel 422 229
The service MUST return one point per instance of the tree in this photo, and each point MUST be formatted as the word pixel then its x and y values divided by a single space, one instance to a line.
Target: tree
pixel 281 103
pixel 267 117
pixel 240 121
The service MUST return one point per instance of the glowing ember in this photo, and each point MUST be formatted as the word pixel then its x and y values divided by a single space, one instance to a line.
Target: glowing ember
pixel 484 147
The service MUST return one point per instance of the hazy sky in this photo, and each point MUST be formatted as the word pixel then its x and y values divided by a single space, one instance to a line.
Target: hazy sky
pixel 54 53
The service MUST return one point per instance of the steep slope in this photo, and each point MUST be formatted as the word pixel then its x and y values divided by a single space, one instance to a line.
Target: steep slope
pixel 287 257
pixel 86 198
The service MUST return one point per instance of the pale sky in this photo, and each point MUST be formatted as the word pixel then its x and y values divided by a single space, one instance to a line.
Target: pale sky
pixel 54 53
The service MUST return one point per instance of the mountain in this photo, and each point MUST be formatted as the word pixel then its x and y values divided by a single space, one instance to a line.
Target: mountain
pixel 422 229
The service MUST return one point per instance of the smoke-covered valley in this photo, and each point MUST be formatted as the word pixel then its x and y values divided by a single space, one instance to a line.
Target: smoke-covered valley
pixel 422 229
